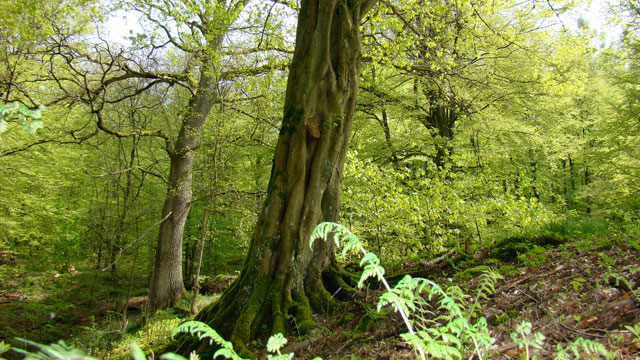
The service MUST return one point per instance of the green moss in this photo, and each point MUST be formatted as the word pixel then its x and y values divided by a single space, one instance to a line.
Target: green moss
pixel 508 270
pixel 346 318
pixel 248 314
pixel 279 309
pixel 340 282
pixel 508 249
pixel 367 322
pixel 304 315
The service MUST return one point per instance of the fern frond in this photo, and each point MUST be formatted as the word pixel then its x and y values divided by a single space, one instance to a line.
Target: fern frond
pixel 204 331
pixel 137 353
pixel 58 350
pixel 487 283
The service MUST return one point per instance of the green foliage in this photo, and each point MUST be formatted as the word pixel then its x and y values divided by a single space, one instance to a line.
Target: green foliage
pixel 635 330
pixel 576 226
pixel 155 334
pixel 510 248
pixel 4 348
pixel 533 257
pixel 203 331
pixel 274 344
pixel 577 283
pixel 447 336
pixel 527 341
pixel 59 350
pixel 580 347
pixel 31 120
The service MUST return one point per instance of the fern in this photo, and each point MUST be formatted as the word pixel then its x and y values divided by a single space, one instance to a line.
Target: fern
pixel 525 340
pixel 59 350
pixel 370 261
pixel 275 343
pixel 204 331
pixel 583 346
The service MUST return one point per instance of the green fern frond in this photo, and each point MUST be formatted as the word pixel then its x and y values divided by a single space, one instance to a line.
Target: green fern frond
pixel 172 356
pixel 58 350
pixel 204 331
pixel 136 352
pixel 276 342
pixel 322 230
pixel 487 283
pixel 370 258
pixel 588 347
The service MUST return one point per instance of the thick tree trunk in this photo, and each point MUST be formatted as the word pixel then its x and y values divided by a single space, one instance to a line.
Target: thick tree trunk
pixel 282 275
pixel 441 121
pixel 167 286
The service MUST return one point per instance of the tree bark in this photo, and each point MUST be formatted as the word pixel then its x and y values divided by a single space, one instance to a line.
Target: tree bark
pixel 167 286
pixel 282 276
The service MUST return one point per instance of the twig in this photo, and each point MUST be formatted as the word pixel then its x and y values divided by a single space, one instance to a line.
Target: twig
pixel 130 169
pixel 140 237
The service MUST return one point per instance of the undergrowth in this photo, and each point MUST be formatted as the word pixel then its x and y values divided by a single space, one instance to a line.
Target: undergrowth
pixel 441 323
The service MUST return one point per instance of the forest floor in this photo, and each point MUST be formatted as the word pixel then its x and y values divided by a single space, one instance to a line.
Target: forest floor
pixel 584 288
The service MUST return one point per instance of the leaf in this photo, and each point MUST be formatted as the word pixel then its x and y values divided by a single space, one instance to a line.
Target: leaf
pixel 276 342
pixel 4 347
pixel 137 353
pixel 370 258
pixel 172 356
pixel 58 350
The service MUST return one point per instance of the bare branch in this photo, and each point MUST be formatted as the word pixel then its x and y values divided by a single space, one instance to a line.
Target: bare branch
pixel 130 169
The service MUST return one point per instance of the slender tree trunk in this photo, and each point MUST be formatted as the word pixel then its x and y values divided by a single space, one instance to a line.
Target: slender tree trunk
pixel 167 286
pixel 122 217
pixel 200 251
pixel 282 275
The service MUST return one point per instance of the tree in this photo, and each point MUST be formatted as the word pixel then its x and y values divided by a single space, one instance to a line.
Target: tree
pixel 109 75
pixel 282 275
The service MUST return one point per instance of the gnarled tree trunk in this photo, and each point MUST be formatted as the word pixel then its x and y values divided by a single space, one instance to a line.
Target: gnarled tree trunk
pixel 282 275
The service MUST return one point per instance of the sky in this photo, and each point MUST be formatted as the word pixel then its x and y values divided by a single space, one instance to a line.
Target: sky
pixel 121 23
pixel 596 15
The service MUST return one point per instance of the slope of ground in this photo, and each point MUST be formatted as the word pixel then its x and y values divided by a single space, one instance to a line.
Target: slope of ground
pixel 584 288
pixel 577 290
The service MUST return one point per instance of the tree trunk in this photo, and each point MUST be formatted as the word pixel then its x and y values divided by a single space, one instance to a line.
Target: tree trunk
pixel 167 286
pixel 200 251
pixel 441 120
pixel 282 276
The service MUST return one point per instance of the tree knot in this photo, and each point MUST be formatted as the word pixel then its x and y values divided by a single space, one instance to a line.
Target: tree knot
pixel 312 123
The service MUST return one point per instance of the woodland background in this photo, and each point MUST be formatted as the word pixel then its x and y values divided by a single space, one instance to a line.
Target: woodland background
pixel 477 121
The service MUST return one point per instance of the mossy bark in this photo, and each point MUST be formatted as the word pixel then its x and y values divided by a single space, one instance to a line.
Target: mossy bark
pixel 282 277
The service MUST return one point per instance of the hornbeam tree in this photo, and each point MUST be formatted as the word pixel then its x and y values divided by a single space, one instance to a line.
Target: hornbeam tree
pixel 281 274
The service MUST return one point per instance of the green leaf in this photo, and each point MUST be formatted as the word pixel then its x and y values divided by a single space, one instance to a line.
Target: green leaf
pixel 137 353
pixel 172 356
pixel 276 342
